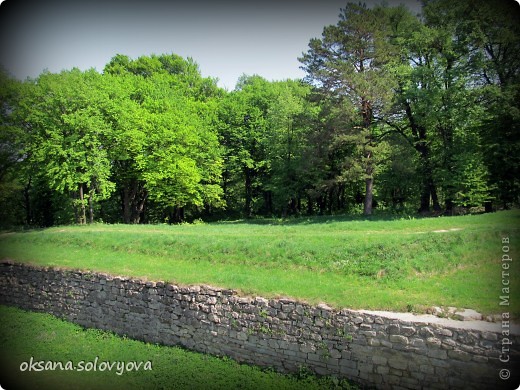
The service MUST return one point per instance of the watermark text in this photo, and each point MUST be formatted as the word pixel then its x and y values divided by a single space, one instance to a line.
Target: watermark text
pixel 119 367
pixel 506 342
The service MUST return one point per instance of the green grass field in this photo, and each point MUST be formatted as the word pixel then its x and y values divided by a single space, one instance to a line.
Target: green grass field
pixel 45 338
pixel 387 264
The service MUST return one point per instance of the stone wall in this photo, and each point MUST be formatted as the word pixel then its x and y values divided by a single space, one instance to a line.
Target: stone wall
pixel 368 347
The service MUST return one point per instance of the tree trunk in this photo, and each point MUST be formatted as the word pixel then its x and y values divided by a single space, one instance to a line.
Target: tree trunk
pixel 310 206
pixel 139 207
pixel 134 197
pixel 330 199
pixel 449 206
pixel 27 202
pixel 369 169
pixel 82 214
pixel 425 197
pixel 91 204
pixel 341 196
pixel 125 195
pixel 76 214
pixel 177 215
pixel 268 203
pixel 435 198
pixel 369 185
pixel 428 188
pixel 248 208
pixel 369 191
pixel 225 179
pixel 321 204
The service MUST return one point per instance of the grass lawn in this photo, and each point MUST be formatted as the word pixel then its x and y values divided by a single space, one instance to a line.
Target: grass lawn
pixel 386 264
pixel 45 338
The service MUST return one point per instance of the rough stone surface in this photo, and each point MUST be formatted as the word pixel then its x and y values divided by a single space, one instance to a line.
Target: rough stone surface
pixel 375 349
pixel 467 315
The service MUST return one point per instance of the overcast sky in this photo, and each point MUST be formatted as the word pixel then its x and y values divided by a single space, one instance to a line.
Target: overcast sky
pixel 226 38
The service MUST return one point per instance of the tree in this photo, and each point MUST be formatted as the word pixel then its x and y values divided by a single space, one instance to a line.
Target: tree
pixel 400 179
pixel 182 163
pixel 243 128
pixel 11 146
pixel 66 137
pixel 436 108
pixel 127 142
pixel 184 73
pixel 349 62
pixel 289 120
pixel 475 49
pixel 164 139
pixel 491 32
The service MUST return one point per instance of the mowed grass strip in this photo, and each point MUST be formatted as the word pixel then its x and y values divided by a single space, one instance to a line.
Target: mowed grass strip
pixel 393 264
pixel 48 339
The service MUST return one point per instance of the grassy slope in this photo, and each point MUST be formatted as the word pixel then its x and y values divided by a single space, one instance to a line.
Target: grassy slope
pixel 45 338
pixel 371 264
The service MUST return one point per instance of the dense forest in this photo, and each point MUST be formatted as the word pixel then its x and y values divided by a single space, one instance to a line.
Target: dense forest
pixel 398 113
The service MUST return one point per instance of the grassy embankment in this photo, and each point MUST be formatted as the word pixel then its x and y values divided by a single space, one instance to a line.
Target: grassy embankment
pixel 45 338
pixel 400 264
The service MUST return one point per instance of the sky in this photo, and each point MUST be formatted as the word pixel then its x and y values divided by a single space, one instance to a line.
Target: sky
pixel 226 38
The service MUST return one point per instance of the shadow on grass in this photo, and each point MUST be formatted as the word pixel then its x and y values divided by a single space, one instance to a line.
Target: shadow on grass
pixel 322 219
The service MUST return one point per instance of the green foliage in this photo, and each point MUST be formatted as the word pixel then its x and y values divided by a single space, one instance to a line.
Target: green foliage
pixel 11 144
pixel 290 118
pixel 147 132
pixel 181 161
pixel 396 111
pixel 243 131
pixel 349 63
pixel 66 134
pixel 168 114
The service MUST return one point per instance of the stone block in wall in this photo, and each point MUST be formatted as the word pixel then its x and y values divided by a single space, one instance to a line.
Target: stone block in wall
pixel 460 355
pixel 398 363
pixel 433 342
pixel 398 339
pixel 379 360
pixel 426 332
pixel 438 354
pixel 380 350
pixel 393 329
pixel 418 343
